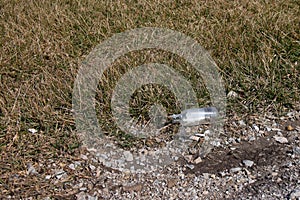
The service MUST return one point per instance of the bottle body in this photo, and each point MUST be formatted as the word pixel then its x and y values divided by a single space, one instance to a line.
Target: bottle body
pixel 196 116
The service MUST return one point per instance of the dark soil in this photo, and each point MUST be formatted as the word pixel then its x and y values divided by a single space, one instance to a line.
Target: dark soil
pixel 263 151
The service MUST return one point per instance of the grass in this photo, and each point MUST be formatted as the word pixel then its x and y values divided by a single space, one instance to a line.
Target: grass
pixel 42 43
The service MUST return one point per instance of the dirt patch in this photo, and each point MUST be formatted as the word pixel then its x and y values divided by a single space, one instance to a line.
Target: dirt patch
pixel 263 151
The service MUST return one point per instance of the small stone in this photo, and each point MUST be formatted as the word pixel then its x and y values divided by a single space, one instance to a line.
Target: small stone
pixel 296 150
pixel 295 194
pixel 276 129
pixel 128 156
pixel 172 182
pixel 60 174
pixel 158 140
pixel 31 170
pixel 47 177
pixel 84 157
pixel 92 167
pixel 215 143
pixel 206 175
pixel 242 123
pixel 137 187
pixel 232 94
pixel 274 173
pixel 205 192
pixel 195 138
pixel 92 197
pixel 197 160
pixel 279 133
pixel 248 163
pixel 222 174
pixel 32 130
pixel 290 128
pixel 236 169
pixel 268 129
pixel 193 150
pixel 72 166
pixel 236 188
pixel 278 180
pixel 252 181
pixel 149 143
pixel 83 189
pixel 231 140
pixel 188 158
pixel 84 195
pixel 62 165
pixel 290 114
pixel 200 134
pixel 256 128
pixel 181 175
pixel 261 133
pixel 248 173
pixel 190 166
pixel 280 139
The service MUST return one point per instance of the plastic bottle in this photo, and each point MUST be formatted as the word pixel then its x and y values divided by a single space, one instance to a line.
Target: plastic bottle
pixel 195 116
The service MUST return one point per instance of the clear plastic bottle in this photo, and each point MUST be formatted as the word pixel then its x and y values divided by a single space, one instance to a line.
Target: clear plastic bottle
pixel 195 116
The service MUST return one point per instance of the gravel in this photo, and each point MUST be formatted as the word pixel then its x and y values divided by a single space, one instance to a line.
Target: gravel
pixel 256 158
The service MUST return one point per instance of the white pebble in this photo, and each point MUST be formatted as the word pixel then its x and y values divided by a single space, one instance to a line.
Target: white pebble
pixel 92 167
pixel 31 170
pixel 256 128
pixel 215 143
pixel 296 150
pixel 232 94
pixel 276 129
pixel 195 138
pixel 72 166
pixel 190 166
pixel 236 169
pixel 242 123
pixel 60 174
pixel 200 135
pixel 268 129
pixel 280 139
pixel 47 177
pixel 128 156
pixel 248 163
pixel 32 130
pixel 188 158
pixel 198 160
pixel 84 157
pixel 295 194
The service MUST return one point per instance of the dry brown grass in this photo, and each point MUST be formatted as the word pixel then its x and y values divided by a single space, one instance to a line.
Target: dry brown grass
pixel 255 44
